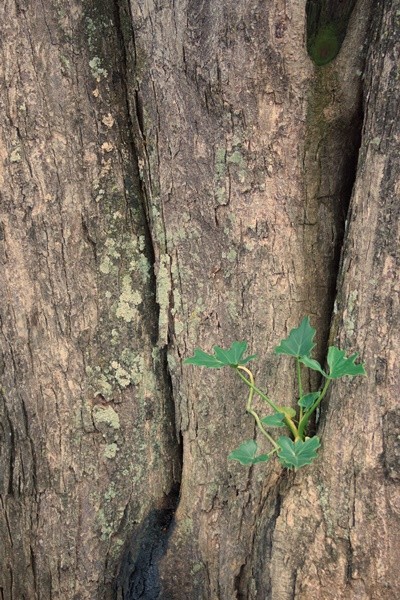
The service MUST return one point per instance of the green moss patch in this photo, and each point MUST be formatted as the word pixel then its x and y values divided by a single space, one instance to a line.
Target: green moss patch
pixel 325 46
pixel 327 22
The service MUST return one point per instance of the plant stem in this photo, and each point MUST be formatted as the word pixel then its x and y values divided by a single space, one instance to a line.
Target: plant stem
pixel 251 393
pixel 249 408
pixel 304 421
pixel 300 385
pixel 250 382
pixel 261 428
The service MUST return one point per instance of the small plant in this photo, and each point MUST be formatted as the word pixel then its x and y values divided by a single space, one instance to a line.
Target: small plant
pixel 298 450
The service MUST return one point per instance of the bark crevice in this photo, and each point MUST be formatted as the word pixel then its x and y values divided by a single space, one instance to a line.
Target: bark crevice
pixel 333 139
pixel 139 576
pixel 327 23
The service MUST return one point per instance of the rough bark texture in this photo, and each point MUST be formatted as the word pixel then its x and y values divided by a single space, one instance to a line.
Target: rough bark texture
pixel 353 496
pixel 178 174
pixel 87 444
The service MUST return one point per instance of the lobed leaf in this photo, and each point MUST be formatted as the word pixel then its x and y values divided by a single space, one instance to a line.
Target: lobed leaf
pixel 308 400
pixel 246 454
pixel 312 364
pixel 340 365
pixel 300 342
pixel 202 359
pixel 232 357
pixel 297 454
pixel 261 458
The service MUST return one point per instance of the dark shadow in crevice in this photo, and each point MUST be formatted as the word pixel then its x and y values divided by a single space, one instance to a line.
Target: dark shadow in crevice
pixel 327 22
pixel 139 577
pixel 351 133
pixel 334 132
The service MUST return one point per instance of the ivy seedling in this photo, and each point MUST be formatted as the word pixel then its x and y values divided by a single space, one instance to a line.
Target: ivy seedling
pixel 296 449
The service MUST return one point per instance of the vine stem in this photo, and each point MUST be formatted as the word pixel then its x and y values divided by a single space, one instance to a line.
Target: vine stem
pixel 304 421
pixel 253 388
pixel 261 428
pixel 300 385
pixel 250 383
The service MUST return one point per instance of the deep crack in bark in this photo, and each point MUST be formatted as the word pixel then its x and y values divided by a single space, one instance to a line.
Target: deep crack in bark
pixel 139 577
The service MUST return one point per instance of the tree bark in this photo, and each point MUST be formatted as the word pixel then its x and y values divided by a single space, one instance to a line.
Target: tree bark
pixel 88 447
pixel 181 174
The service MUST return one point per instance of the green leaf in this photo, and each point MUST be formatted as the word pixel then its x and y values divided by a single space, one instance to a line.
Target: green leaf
pixel 288 411
pixel 308 400
pixel 299 342
pixel 261 458
pixel 244 361
pixel 339 365
pixel 232 357
pixel 275 420
pixel 312 364
pixel 297 454
pixel 202 359
pixel 246 454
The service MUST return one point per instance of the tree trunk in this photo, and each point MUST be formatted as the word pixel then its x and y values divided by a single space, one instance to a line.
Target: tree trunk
pixel 88 444
pixel 182 174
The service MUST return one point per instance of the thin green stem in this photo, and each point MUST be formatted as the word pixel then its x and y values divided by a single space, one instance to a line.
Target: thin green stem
pixel 249 408
pixel 300 385
pixel 261 428
pixel 250 382
pixel 304 421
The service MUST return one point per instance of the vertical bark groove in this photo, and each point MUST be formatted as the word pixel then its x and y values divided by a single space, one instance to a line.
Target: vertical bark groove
pixel 87 418
pixel 139 578
pixel 333 139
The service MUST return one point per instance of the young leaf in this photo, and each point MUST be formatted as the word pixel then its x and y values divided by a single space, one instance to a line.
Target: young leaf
pixel 308 400
pixel 288 411
pixel 312 364
pixel 297 454
pixel 261 458
pixel 234 355
pixel 300 340
pixel 231 357
pixel 339 365
pixel 202 359
pixel 275 420
pixel 246 454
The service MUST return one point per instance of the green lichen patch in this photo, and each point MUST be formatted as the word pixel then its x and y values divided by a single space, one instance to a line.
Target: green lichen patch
pixel 236 158
pixel 220 162
pixel 105 418
pixel 100 384
pixel 110 451
pixel 128 301
pixel 96 68
pixel 121 375
pixel 106 526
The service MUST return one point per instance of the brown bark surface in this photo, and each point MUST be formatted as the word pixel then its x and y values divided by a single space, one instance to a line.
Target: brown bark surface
pixel 178 174
pixel 87 443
